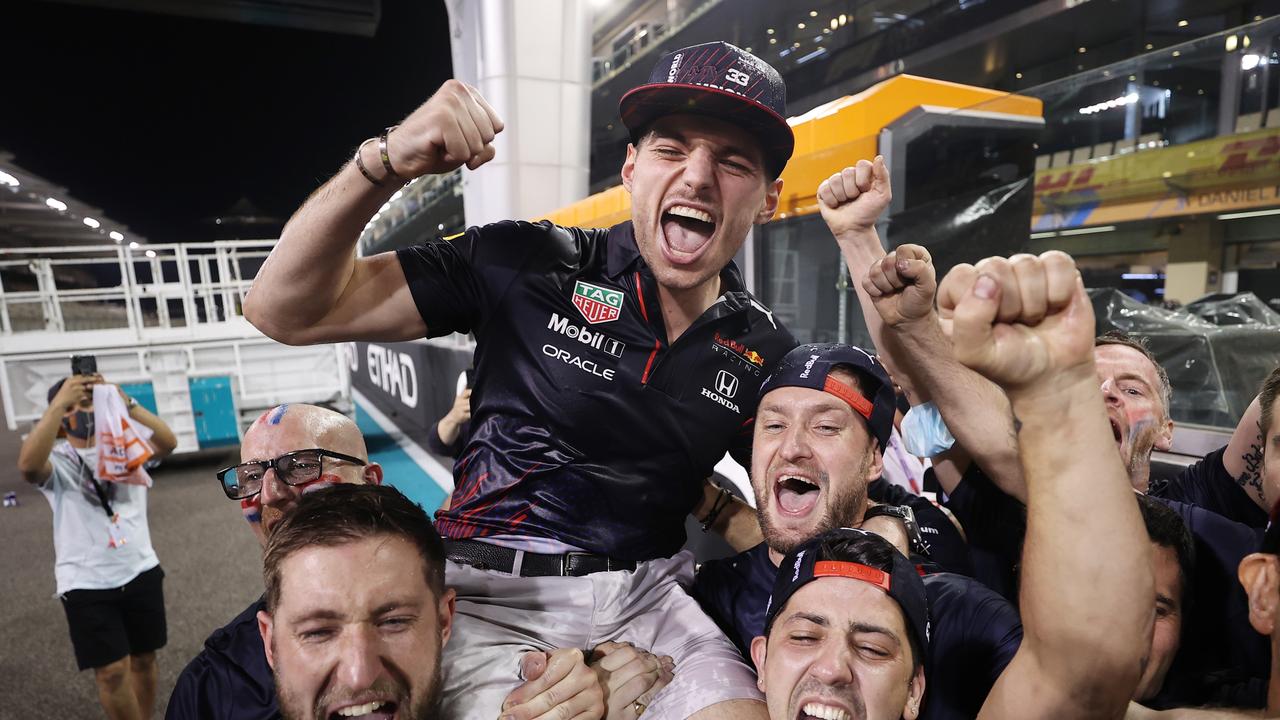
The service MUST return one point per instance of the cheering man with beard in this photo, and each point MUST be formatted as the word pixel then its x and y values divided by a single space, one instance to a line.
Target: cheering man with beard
pixel 357 614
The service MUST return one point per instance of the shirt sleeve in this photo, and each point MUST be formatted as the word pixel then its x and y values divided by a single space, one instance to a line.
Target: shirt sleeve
pixel 456 282
pixel 1207 484
pixel 437 446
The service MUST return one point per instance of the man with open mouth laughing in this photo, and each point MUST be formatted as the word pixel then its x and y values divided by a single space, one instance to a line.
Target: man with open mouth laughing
pixel 614 368
pixel 357 613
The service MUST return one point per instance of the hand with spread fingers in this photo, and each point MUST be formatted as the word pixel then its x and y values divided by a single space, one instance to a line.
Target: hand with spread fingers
pixel 852 200
pixel 1023 321
pixel 902 285
pixel 454 127
pixel 631 678
pixel 558 686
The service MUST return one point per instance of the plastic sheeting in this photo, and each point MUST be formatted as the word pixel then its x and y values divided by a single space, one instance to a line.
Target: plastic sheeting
pixel 1215 367
pixel 1242 309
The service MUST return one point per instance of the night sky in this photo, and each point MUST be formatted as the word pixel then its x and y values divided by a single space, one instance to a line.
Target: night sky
pixel 163 121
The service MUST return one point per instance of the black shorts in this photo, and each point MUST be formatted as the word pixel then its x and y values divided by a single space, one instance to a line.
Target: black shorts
pixel 107 625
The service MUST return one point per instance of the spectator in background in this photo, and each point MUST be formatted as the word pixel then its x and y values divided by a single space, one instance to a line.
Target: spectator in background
pixel 449 434
pixel 108 576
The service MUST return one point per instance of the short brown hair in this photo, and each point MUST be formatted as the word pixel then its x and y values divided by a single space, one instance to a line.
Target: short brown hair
pixel 1115 337
pixel 1267 402
pixel 345 513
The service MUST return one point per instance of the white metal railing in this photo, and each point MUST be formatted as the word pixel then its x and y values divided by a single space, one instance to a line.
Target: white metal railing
pixel 156 287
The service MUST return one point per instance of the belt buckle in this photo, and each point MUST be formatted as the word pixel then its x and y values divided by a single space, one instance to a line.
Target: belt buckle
pixel 566 558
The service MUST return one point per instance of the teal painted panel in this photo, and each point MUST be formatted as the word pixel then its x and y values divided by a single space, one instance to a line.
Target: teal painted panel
pixel 214 409
pixel 144 393
pixel 398 469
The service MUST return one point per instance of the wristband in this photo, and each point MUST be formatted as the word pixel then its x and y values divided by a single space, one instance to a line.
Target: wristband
pixel 382 152
pixel 360 164
pixel 716 507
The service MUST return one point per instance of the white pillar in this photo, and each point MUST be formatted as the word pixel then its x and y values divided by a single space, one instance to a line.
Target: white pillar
pixel 531 59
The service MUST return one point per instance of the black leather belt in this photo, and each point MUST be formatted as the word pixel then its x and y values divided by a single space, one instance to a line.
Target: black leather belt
pixel 486 556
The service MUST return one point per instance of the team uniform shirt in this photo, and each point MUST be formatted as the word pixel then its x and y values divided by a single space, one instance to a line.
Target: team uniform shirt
pixel 230 678
pixel 82 533
pixel 1208 484
pixel 588 430
pixel 974 635
pixel 1219 651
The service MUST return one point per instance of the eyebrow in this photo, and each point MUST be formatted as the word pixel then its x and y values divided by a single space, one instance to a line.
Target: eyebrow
pixel 817 407
pixel 1162 598
pixel 724 150
pixel 327 614
pixel 1134 376
pixel 864 628
pixel 818 620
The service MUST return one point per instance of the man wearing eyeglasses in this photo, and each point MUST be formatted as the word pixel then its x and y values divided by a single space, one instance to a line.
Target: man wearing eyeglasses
pixel 287 452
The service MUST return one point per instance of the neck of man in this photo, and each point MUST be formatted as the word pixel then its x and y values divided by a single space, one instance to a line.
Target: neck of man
pixel 1140 474
pixel 681 307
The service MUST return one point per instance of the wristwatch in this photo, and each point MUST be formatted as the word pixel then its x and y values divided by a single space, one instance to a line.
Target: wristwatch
pixel 908 518
pixel 130 402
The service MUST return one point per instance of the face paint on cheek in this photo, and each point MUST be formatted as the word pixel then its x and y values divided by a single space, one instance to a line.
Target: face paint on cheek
pixel 252 510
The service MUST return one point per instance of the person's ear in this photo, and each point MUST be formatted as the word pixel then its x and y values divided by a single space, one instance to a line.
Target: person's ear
pixel 265 629
pixel 772 193
pixel 373 473
pixel 876 467
pixel 629 167
pixel 1164 438
pixel 446 609
pixel 915 693
pixel 758 650
pixel 1259 574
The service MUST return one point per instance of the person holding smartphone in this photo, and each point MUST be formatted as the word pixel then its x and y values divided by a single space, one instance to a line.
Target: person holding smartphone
pixel 108 576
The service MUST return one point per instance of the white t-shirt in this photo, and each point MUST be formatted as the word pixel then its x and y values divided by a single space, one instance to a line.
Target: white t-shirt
pixel 81 534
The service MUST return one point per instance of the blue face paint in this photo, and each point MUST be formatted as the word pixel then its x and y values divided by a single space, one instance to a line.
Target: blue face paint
pixel 253 517
pixel 277 414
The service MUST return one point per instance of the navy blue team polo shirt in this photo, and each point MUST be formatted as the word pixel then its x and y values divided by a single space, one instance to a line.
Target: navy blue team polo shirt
pixel 975 632
pixel 587 426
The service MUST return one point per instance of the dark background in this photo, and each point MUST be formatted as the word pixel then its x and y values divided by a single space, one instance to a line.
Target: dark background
pixel 165 122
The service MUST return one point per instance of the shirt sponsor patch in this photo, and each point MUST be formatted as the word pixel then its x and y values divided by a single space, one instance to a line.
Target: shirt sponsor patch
pixel 726 388
pixel 593 338
pixel 746 358
pixel 597 304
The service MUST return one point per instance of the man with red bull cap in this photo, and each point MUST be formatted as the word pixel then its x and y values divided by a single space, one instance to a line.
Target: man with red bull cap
pixel 1087 622
pixel 614 367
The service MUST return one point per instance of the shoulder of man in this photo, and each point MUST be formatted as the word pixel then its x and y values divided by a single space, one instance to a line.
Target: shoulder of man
pixel 1207 483
pixel 230 678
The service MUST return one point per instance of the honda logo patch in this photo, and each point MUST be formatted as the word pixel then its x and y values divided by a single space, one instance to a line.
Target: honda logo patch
pixel 726 384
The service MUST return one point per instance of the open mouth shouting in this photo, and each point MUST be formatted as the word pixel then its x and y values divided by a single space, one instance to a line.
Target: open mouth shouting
pixel 375 710
pixel 687 231
pixel 796 494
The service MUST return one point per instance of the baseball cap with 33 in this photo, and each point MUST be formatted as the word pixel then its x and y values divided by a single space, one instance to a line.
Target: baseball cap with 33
pixel 721 81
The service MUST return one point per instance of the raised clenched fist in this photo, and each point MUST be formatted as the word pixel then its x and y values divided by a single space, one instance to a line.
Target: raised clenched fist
pixel 455 127
pixel 902 285
pixel 853 199
pixel 1022 320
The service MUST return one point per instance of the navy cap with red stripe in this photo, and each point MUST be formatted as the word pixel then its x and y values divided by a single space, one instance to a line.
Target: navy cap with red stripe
pixel 813 560
pixel 721 81
pixel 810 366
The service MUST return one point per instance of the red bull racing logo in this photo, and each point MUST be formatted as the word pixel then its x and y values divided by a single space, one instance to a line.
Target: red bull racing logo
pixel 750 356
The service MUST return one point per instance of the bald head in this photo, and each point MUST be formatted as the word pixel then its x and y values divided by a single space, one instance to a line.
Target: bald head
pixel 303 427
pixel 289 428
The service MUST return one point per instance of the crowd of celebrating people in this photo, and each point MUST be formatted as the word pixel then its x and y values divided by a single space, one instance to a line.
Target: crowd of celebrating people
pixel 1051 577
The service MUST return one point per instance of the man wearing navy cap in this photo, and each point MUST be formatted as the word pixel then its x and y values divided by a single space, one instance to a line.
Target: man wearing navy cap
pixel 614 368
pixel 823 413
pixel 1087 621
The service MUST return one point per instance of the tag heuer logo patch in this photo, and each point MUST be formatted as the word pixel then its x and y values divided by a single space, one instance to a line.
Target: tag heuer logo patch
pixel 597 304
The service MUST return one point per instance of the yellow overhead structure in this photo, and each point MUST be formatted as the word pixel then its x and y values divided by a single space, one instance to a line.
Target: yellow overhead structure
pixel 828 138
